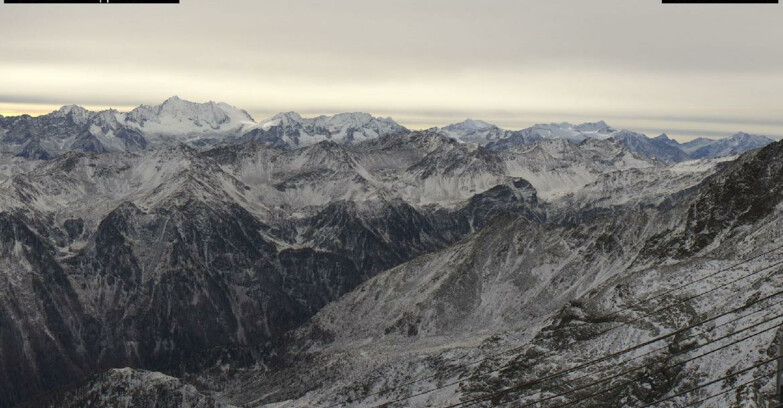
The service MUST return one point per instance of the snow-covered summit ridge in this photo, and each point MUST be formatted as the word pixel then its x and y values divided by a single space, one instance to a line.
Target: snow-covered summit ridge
pixel 291 130
pixel 485 133
pixel 473 131
pixel 339 120
pixel 175 120
pixel 177 116
pixel 661 147
pixel 574 133
pixel 470 125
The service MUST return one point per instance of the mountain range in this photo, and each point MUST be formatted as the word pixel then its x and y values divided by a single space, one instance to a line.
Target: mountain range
pixel 186 256
pixel 73 128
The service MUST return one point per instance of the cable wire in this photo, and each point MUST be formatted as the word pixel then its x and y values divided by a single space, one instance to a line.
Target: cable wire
pixel 609 356
pixel 736 387
pixel 662 369
pixel 601 317
pixel 655 350
pixel 615 354
pixel 698 387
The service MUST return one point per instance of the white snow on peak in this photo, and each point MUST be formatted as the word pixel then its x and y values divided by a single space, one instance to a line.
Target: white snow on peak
pixel 743 137
pixel 470 125
pixel 76 112
pixel 473 131
pixel 344 128
pixel 289 117
pixel 736 144
pixel 573 133
pixel 599 126
pixel 480 132
pixel 176 116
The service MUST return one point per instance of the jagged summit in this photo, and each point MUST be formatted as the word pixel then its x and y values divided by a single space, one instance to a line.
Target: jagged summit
pixel 342 233
pixel 743 137
pixel 207 124
pixel 736 144
pixel 599 127
pixel 69 109
pixel 470 124
pixel 473 131
pixel 172 99
pixel 75 113
pixel 176 116
pixel 658 147
pixel 573 133
pixel 291 130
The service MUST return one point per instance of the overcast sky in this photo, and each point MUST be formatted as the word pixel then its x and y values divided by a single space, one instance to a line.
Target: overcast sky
pixel 689 70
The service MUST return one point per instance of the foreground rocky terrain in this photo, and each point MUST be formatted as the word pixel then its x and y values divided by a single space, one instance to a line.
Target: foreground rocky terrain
pixel 499 316
pixel 208 260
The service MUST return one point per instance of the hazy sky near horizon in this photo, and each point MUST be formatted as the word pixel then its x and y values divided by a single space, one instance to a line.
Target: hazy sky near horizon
pixel 689 70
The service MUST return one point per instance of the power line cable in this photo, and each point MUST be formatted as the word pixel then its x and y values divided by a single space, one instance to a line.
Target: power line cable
pixel 609 356
pixel 698 295
pixel 702 279
pixel 664 368
pixel 726 323
pixel 660 370
pixel 698 387
pixel 602 317
pixel 615 354
pixel 736 387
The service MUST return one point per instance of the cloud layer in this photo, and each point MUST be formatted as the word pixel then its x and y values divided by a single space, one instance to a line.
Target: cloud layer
pixel 687 69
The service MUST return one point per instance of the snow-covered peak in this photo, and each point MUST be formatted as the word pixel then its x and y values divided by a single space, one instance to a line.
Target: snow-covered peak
pixel 628 134
pixel 662 136
pixel 474 131
pixel 346 120
pixel 736 144
pixel 470 125
pixel 172 100
pixel 67 109
pixel 282 119
pixel 111 116
pixel 660 147
pixel 352 117
pixel 595 127
pixel 743 137
pixel 292 130
pixel 290 116
pixel 176 116
pixel 572 133
pixel 77 113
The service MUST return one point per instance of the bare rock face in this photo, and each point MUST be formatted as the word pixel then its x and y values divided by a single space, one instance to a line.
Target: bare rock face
pixel 745 192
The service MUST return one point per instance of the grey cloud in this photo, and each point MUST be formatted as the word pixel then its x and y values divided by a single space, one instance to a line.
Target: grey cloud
pixel 380 44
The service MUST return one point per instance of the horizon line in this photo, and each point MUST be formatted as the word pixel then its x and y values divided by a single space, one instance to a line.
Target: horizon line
pixel 687 134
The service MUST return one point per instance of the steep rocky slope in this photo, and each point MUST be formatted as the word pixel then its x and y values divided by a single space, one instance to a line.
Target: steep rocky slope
pixel 169 260
pixel 493 317
pixel 128 388
pixel 203 264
